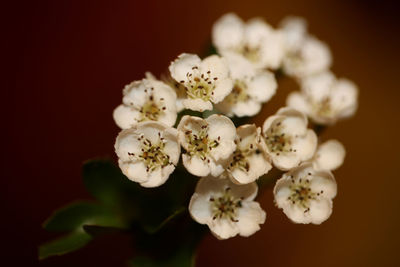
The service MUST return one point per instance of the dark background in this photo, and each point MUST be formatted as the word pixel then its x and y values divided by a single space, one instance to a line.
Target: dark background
pixel 68 61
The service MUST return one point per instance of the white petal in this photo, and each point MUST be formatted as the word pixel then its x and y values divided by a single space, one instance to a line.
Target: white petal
pixel 317 57
pixel 197 104
pixel 295 30
pixel 318 86
pixel 295 122
pixel 127 142
pixel 125 117
pixel 211 185
pixel 344 97
pixel 262 87
pixel 330 155
pixel 247 191
pixel 134 93
pixel 320 210
pixel 296 214
pixel 223 228
pixel 285 161
pixel 323 181
pixel 195 165
pixel 135 171
pixel 227 31
pixel 282 191
pixel 182 65
pixel 200 208
pixel 222 89
pixel 297 101
pixel 223 130
pixel 250 216
pixel 216 65
pixel 305 146
pixel 255 32
pixel 246 108
pixel 239 66
pixel 273 50
pixel 216 168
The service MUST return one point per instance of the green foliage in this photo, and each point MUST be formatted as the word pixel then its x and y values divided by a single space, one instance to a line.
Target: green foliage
pixel 153 215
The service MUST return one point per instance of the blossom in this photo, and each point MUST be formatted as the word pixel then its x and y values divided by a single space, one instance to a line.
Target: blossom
pixel 329 156
pixel 206 81
pixel 146 100
pixel 287 138
pixel 325 99
pixel 228 209
pixel 208 143
pixel 148 152
pixel 305 194
pixel 251 88
pixel 255 40
pixel 305 54
pixel 250 160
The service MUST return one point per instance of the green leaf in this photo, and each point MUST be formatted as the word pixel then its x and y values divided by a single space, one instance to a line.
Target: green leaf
pixel 65 244
pixel 75 215
pixel 152 230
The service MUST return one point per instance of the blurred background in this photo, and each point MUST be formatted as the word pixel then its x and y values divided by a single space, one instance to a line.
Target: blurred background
pixel 69 60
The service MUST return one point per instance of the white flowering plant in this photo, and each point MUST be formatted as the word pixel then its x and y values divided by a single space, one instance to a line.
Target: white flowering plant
pixel 189 160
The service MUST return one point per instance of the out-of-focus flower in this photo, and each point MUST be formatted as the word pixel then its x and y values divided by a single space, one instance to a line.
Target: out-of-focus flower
pixel 288 140
pixel 255 40
pixel 208 143
pixel 148 152
pixel 305 55
pixel 325 99
pixel 329 156
pixel 146 100
pixel 228 209
pixel 250 160
pixel 305 195
pixel 206 81
pixel 251 88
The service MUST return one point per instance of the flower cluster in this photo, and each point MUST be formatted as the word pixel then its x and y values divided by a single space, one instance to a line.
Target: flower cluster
pixel 229 160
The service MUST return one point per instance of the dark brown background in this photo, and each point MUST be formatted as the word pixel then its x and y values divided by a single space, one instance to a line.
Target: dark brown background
pixel 68 61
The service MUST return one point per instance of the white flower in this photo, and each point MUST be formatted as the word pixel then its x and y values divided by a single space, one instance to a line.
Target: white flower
pixel 325 99
pixel 329 156
pixel 228 209
pixel 251 88
pixel 146 100
pixel 208 143
pixel 305 55
pixel 305 195
pixel 288 140
pixel 250 160
pixel 255 40
pixel 148 152
pixel 206 81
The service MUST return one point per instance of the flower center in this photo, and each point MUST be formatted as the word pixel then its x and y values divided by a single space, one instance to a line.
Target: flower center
pixel 199 85
pixel 150 110
pixel 152 154
pixel 323 107
pixel 225 206
pixel 239 93
pixel 251 53
pixel 277 141
pixel 240 157
pixel 302 194
pixel 200 144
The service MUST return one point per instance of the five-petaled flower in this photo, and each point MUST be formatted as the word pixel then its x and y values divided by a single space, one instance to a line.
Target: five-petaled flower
pixel 205 81
pixel 287 138
pixel 250 160
pixel 255 40
pixel 148 152
pixel 305 54
pixel 228 209
pixel 305 194
pixel 146 100
pixel 208 143
pixel 251 88
pixel 325 99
